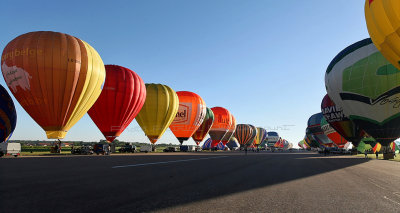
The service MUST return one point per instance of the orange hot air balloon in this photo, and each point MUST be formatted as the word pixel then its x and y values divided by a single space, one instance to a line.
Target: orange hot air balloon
pixel 221 125
pixel 231 131
pixel 190 115
pixel 54 76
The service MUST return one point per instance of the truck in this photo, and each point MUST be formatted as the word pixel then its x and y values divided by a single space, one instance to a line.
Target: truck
pixel 10 149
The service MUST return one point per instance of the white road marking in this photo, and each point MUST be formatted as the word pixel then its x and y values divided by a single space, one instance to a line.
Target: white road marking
pixel 391 200
pixel 166 162
pixel 377 185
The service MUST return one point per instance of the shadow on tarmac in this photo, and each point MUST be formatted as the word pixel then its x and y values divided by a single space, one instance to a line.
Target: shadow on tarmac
pixel 90 184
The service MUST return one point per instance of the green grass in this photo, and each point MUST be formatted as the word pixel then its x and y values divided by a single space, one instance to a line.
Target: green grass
pixel 380 157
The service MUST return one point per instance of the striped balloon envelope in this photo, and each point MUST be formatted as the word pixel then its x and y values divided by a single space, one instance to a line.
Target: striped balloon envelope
pixel 204 128
pixel 253 136
pixel 243 134
pixel 207 144
pixel 220 146
pixel 54 76
pixel 231 131
pixel 221 125
pixel 8 115
pixel 261 136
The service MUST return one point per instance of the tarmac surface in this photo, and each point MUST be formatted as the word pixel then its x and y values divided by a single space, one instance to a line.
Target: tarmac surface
pixel 199 182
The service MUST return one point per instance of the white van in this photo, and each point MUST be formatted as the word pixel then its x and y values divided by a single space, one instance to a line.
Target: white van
pixel 10 149
pixel 147 148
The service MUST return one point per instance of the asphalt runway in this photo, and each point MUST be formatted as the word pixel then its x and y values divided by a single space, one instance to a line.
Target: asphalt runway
pixel 199 182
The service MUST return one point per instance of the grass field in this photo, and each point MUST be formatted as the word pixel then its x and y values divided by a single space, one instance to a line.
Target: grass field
pixel 380 157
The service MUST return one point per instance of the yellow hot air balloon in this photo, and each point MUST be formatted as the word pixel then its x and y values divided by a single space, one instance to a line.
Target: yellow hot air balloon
pixel 158 111
pixel 383 22
pixel 54 76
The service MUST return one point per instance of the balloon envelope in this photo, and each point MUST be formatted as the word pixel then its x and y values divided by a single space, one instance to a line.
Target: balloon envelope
pixel 338 121
pixel 120 101
pixel 231 131
pixel 383 23
pixel 54 76
pixel 8 115
pixel 158 111
pixel 314 128
pixel 221 125
pixel 253 135
pixel 332 134
pixel 205 127
pixel 233 143
pixel 272 138
pixel 365 85
pixel 261 135
pixel 190 115
pixel 243 134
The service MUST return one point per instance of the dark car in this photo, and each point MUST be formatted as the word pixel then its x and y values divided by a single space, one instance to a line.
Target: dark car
pixel 170 149
pixel 127 149
pixel 84 150
pixel 103 149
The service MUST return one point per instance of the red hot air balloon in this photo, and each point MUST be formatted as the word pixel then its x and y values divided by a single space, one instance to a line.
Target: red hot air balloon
pixel 123 96
pixel 230 133
pixel 190 115
pixel 204 128
pixel 221 125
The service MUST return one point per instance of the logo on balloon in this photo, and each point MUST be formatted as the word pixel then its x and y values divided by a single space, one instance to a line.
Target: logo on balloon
pixel 182 116
pixel 15 76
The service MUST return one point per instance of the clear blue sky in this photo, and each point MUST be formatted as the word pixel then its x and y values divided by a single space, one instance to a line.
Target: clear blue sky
pixel 263 60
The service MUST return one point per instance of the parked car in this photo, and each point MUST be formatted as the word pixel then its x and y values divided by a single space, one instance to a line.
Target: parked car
pixel 103 149
pixel 127 149
pixel 187 148
pixel 13 149
pixel 170 149
pixel 83 150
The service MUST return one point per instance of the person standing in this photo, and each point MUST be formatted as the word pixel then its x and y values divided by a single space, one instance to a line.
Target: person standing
pixel 366 153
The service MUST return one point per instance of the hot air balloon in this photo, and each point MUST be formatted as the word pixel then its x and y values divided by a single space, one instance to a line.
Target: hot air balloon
pixel 221 125
pixel 54 76
pixel 190 115
pixel 272 138
pixel 158 111
pixel 8 115
pixel 231 131
pixel 314 127
pixel 338 121
pixel 332 134
pixel 261 135
pixel 382 17
pixel 120 101
pixel 207 144
pixel 366 86
pixel 204 128
pixel 253 136
pixel 233 143
pixel 243 134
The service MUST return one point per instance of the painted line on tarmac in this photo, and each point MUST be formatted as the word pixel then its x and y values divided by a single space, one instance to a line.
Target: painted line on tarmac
pixel 166 162
pixel 391 200
pixel 377 185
